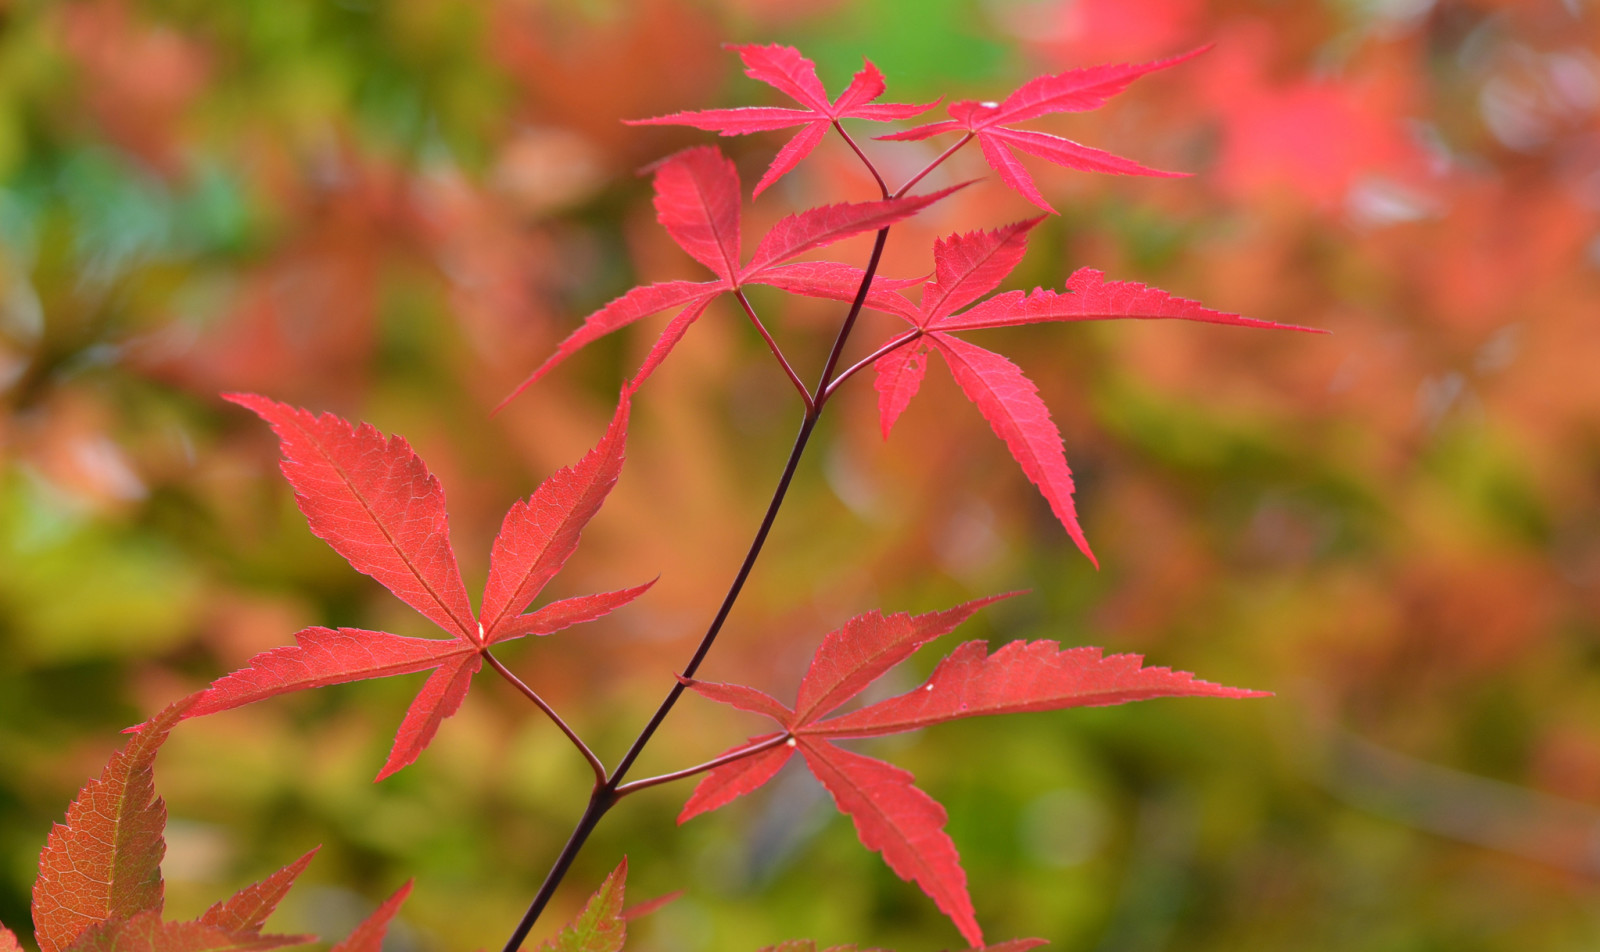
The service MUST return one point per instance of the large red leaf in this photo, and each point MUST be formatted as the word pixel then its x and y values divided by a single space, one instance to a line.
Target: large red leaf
pixel 783 68
pixel 1075 90
pixel 248 909
pixel 896 819
pixel 722 785
pixel 540 534
pixel 1011 404
pixel 601 925
pixel 855 655
pixel 1021 676
pixel 147 933
pixel 104 862
pixel 368 936
pixel 376 504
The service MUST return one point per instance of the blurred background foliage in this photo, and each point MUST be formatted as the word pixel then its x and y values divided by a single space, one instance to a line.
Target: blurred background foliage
pixel 392 209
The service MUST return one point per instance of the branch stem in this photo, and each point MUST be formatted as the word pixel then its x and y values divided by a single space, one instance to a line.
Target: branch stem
pixel 772 345
pixel 572 735
pixel 894 344
pixel 882 185
pixel 947 153
pixel 712 764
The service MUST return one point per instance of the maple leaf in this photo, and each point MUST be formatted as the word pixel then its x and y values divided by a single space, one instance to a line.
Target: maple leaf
pixel 891 815
pixel 783 68
pixel 368 936
pixel 146 932
pixel 1076 90
pixel 602 925
pixel 247 910
pixel 104 863
pixel 967 266
pixel 697 201
pixel 374 501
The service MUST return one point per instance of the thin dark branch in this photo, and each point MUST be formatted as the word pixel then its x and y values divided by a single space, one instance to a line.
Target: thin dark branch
pixel 713 764
pixel 947 153
pixel 516 682
pixel 893 345
pixel 882 185
pixel 772 345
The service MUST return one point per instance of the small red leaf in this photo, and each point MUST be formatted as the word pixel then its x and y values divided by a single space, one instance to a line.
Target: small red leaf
pixel 368 936
pixel 743 698
pixel 896 819
pixel 8 940
pixel 967 266
pixel 376 504
pixel 899 376
pixel 1022 676
pixel 540 534
pixel 104 862
pixel 797 148
pixel 439 698
pixel 852 657
pixel 1011 404
pixel 1012 172
pixel 669 338
pixel 641 909
pixel 570 611
pixel 697 202
pixel 819 227
pixel 248 909
pixel 838 282
pixel 722 785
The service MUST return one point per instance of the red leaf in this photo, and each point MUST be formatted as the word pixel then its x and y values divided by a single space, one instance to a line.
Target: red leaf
pixel 637 303
pixel 147 933
pixel 640 909
pixel 783 68
pixel 368 936
pixel 1021 676
pixel 1090 297
pixel 539 535
pixel 600 926
pixel 817 227
pixel 697 202
pixel 1075 90
pixel 8 940
pixel 570 611
pixel 439 698
pixel 376 504
pixel 743 698
pixel 248 909
pixel 722 785
pixel 323 656
pixel 852 657
pixel 104 862
pixel 669 338
pixel 896 819
pixel 968 266
pixel 839 282
pixel 899 376
pixel 1011 404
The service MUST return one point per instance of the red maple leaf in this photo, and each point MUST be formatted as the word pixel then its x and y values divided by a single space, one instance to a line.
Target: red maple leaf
pixel 783 68
pixel 967 266
pixel 697 201
pixel 1076 90
pixel 374 501
pixel 891 815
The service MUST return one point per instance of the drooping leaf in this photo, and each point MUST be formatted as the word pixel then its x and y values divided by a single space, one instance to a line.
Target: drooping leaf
pixel 896 819
pixel 783 68
pixel 1022 676
pixel 600 926
pixel 366 487
pixel 722 785
pixel 147 933
pixel 248 909
pixel 1076 90
pixel 368 936
pixel 376 504
pixel 697 201
pixel 104 862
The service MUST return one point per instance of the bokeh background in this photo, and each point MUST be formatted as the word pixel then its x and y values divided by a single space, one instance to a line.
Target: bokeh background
pixel 392 209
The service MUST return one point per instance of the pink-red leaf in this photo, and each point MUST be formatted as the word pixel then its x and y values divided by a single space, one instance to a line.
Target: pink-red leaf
pixel 967 266
pixel 637 303
pixel 1090 297
pixel 697 202
pixel 668 339
pixel 1021 676
pixel 1078 90
pixel 368 936
pixel 733 122
pixel 8 940
pixel 1011 404
pixel 641 909
pixel 147 933
pixel 819 227
pixel 839 282
pixel 376 504
pixel 852 657
pixel 570 611
pixel 1072 155
pixel 722 785
pixel 439 698
pixel 1011 171
pixel 600 926
pixel 540 534
pixel 104 862
pixel 899 376
pixel 324 656
pixel 248 909
pixel 743 698
pixel 797 148
pixel 896 819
